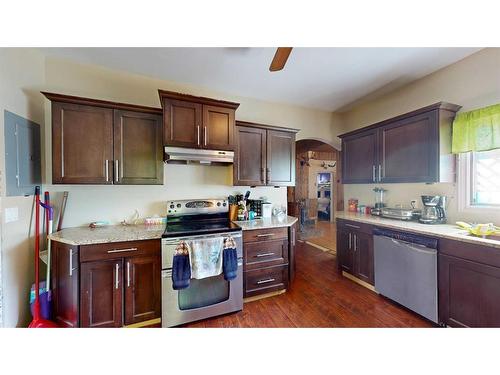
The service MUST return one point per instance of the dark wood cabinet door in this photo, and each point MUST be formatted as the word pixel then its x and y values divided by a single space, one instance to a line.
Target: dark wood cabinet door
pixel 138 151
pixel 280 165
pixel 218 128
pixel 469 293
pixel 250 157
pixel 82 144
pixel 101 298
pixel 363 257
pixel 409 149
pixel 182 123
pixel 64 284
pixel 142 289
pixel 359 158
pixel 344 250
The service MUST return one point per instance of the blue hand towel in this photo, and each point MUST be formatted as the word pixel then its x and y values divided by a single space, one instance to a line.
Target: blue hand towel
pixel 181 267
pixel 230 259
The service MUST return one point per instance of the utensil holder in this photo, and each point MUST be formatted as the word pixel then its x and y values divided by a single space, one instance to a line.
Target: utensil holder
pixel 233 212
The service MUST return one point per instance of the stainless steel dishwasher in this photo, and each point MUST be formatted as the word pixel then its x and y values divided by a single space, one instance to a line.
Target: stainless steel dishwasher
pixel 406 270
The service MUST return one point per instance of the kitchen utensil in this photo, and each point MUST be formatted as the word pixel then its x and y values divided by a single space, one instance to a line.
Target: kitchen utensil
pixel 233 212
pixel 38 321
pixel 62 211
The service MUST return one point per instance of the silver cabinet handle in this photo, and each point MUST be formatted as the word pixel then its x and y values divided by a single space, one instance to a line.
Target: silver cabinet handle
pixel 293 236
pixel 128 274
pixel 117 280
pixel 350 241
pixel 117 171
pixel 198 134
pixel 379 172
pixel 268 174
pixel 262 178
pixel 122 250
pixel 265 235
pixel 71 269
pixel 106 169
pixel 265 281
pixel 355 242
pixel 374 173
pixel 205 135
pixel 264 255
pixel 352 226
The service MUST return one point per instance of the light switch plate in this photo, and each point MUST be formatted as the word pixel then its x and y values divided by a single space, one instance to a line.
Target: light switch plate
pixel 11 214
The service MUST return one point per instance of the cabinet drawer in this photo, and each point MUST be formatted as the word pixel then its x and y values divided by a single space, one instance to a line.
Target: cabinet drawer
pixel 265 234
pixel 265 253
pixel 266 280
pixel 119 250
pixel 349 225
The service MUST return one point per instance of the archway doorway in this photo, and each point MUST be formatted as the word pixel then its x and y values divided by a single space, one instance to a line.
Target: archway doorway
pixel 317 194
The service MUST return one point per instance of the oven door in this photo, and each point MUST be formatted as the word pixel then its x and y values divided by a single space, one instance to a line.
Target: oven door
pixel 203 298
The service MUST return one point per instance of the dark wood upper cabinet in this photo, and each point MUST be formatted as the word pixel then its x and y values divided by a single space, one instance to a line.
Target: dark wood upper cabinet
pixel 218 128
pixel 82 144
pixel 101 294
pixel 101 142
pixel 359 158
pixel 142 289
pixel 138 151
pixel 250 157
pixel 197 122
pixel 182 123
pixel 413 147
pixel 280 168
pixel 264 155
pixel 409 149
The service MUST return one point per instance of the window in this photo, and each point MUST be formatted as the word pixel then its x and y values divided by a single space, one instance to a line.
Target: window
pixel 485 178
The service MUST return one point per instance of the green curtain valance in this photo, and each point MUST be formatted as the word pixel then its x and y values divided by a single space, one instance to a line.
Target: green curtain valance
pixel 477 130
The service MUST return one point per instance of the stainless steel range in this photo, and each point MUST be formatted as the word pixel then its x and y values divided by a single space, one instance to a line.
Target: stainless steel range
pixel 199 219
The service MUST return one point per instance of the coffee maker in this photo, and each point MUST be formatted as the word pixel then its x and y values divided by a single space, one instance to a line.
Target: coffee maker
pixel 434 209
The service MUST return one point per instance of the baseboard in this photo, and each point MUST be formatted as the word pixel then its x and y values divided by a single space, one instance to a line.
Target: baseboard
pixel 320 247
pixel 358 281
pixel 144 324
pixel 267 295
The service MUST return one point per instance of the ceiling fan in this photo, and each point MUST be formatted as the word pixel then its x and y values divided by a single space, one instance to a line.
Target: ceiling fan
pixel 280 58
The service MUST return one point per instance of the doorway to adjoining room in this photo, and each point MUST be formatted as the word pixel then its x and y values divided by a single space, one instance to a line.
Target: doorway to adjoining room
pixel 317 193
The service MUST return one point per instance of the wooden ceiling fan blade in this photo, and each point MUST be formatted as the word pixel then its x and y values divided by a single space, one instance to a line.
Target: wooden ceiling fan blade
pixel 280 58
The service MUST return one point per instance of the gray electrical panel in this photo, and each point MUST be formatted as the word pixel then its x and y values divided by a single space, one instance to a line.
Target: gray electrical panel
pixel 22 155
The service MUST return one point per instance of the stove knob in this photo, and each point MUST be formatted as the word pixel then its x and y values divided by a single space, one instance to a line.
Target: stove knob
pixel 224 204
pixel 218 204
pixel 178 205
pixel 171 206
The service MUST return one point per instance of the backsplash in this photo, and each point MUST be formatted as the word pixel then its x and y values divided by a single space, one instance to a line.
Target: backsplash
pixel 116 203
pixel 404 193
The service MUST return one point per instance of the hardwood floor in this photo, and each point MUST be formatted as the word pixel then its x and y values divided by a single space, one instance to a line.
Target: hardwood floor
pixel 319 297
pixel 328 238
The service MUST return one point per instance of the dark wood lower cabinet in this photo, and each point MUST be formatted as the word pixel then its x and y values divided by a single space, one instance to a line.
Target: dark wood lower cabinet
pixel 355 250
pixel 142 289
pixel 269 260
pixel 106 285
pixel 101 294
pixel 469 293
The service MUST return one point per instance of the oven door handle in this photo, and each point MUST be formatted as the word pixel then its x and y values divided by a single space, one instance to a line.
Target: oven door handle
pixel 176 240
pixel 168 272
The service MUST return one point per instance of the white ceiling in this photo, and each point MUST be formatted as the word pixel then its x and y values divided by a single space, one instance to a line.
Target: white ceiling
pixel 325 78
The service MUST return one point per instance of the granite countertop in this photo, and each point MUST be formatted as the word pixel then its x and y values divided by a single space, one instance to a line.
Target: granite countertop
pixel 266 223
pixel 448 231
pixel 106 234
pixel 123 233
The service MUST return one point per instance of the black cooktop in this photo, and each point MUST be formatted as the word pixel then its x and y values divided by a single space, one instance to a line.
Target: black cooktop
pixel 198 225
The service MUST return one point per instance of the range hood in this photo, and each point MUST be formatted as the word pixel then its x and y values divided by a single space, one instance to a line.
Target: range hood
pixel 180 155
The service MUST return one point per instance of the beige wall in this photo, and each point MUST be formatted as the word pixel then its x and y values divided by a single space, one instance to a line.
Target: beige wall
pixel 473 82
pixel 22 76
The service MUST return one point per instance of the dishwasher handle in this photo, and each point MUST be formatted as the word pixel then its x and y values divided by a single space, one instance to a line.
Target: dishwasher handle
pixel 415 247
pixel 410 238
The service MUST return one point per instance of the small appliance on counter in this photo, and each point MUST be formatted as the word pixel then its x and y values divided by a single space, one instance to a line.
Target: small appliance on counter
pixel 267 210
pixel 434 211
pixel 379 201
pixel 398 213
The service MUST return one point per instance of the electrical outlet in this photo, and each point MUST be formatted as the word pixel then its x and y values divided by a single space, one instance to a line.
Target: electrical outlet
pixel 11 214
